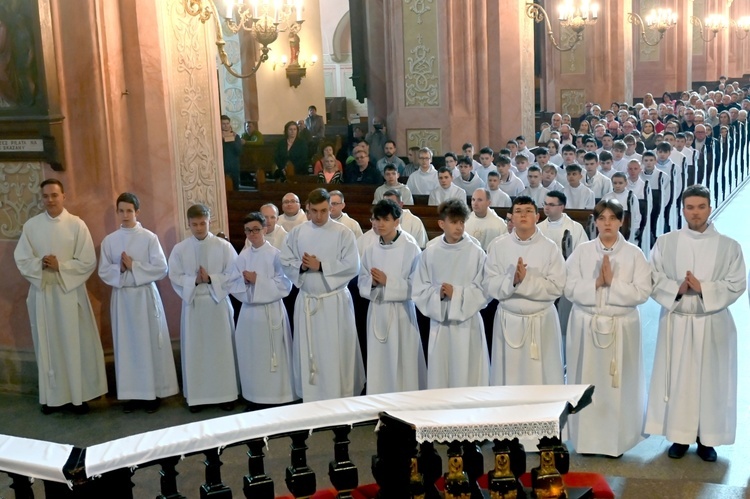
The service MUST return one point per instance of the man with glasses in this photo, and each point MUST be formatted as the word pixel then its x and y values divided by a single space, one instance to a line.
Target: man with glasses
pixel 293 214
pixel 338 215
pixel 425 180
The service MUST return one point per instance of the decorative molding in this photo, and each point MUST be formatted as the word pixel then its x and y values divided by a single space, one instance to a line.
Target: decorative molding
pixel 419 7
pixel 194 117
pixel 421 77
pixel 425 137
pixel 699 11
pixel 572 61
pixel 573 101
pixel 20 196
pixel 646 52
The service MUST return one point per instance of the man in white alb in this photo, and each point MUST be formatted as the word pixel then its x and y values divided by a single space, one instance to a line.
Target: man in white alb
pixel 484 224
pixel 292 215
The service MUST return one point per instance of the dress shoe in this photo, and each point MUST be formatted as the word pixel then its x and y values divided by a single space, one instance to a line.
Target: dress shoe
pixel 678 450
pixel 706 453
pixel 195 408
pixel 46 410
pixel 80 410
pixel 227 406
pixel 152 405
pixel 130 406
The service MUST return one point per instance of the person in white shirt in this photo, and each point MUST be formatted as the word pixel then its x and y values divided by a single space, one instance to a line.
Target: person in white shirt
pixel 484 224
pixel 522 149
pixel 593 179
pixel 446 189
pixel 451 161
pixel 337 214
pixel 555 155
pixel 424 180
pixel 275 233
pixel 579 196
pixel 619 163
pixel 467 179
pixel 498 198
pixel 411 224
pixel 509 183
pixel 630 151
pixel 485 159
pixel 642 192
pixel 606 165
pixel 535 190
pixel 659 182
pixel 550 176
pixel 390 174
pixel 293 214
pixel 521 169
pixel 468 150
pixel 629 202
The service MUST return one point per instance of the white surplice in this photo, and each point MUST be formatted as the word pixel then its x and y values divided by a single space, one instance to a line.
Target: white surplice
pixel 499 199
pixel 414 226
pixel 422 183
pixel 599 183
pixel 68 348
pixel 144 362
pixel 604 346
pixel 288 223
pixel 693 389
pixel 395 360
pixel 536 193
pixel 350 223
pixel 579 198
pixel 327 360
pixel 276 238
pixel 457 350
pixel 439 195
pixel 262 337
pixel 486 229
pixel 209 375
pixel 526 343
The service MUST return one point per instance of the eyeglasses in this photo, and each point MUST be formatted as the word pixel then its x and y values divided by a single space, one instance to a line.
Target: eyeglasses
pixel 290 201
pixel 253 231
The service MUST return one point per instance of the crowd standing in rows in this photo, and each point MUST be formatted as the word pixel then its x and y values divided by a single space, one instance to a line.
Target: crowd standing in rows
pixel 560 295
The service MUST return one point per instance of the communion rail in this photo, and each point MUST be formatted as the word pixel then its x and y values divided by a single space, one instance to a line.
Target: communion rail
pixel 405 420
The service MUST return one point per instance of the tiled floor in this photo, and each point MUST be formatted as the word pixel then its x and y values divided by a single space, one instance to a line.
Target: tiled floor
pixel 643 472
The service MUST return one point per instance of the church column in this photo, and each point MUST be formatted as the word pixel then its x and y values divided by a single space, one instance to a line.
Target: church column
pixel 451 71
pixel 599 69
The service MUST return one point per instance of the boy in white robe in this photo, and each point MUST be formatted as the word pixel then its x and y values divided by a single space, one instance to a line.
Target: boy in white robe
pixel 579 196
pixel 697 274
pixel 448 289
pixel 320 258
pixel 483 223
pixel 390 174
pixel 642 192
pixel 395 359
pixel 498 198
pixel 467 179
pixel 446 189
pixel 410 223
pixel 607 278
pixel 201 271
pixel 263 338
pixel 424 180
pixel 131 262
pixel 535 190
pixel 659 185
pixel 550 178
pixel 56 255
pixel 666 163
pixel 509 183
pixel 525 271
pixel 629 201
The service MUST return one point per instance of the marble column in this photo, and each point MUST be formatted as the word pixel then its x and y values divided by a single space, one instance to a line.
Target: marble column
pixel 599 69
pixel 445 73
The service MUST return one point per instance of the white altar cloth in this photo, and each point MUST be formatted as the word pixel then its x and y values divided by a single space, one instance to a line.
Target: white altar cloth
pixel 216 433
pixel 493 423
pixel 34 458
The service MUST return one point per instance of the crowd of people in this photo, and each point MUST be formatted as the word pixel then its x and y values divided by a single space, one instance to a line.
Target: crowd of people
pixel 566 305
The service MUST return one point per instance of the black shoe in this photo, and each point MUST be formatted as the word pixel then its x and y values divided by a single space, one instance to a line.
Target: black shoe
pixel 677 451
pixel 47 410
pixel 195 408
pixel 706 453
pixel 80 410
pixel 227 406
pixel 152 405
pixel 130 406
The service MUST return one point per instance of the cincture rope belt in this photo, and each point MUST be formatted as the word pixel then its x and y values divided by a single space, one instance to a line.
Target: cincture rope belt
pixel 612 332
pixel 537 317
pixel 274 327
pixel 308 323
pixel 392 313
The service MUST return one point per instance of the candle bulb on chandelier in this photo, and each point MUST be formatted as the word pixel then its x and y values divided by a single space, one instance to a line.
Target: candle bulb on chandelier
pixel 298 8
pixel 230 9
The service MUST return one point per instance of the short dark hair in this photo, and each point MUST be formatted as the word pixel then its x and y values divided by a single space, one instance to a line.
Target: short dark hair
pixel 522 200
pixel 534 168
pixel 451 155
pixel 224 117
pixel 511 141
pixel 575 167
pixel 255 216
pixel 198 211
pixel 568 148
pixel 541 150
pixel 393 192
pixel 621 175
pixel 389 141
pixel 453 209
pixel 591 156
pixel 467 145
pixel 493 173
pixel 129 197
pixel 444 169
pixel 608 204
pixel 648 154
pixel 664 147
pixel 386 207
pixel 520 157
pixel 559 195
pixel 465 160
pixel 318 196
pixel 312 107
pixel 696 190
pixel 520 137
pixel 605 156
pixel 390 167
pixel 503 160
pixel 52 181
pixel 487 150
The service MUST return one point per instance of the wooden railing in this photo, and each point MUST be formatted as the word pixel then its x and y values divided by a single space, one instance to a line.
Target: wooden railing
pixel 107 469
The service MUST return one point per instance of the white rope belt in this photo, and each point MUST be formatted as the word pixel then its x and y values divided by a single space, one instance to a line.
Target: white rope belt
pixel 598 334
pixel 273 327
pixel 537 317
pixel 308 323
pixel 391 315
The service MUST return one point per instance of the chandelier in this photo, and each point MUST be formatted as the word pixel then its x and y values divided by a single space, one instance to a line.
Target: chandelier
pixel 575 15
pixel 659 20
pixel 713 24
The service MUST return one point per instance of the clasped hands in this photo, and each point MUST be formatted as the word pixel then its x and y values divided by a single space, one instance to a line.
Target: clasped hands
pixel 50 262
pixel 378 277
pixel 126 262
pixel 605 274
pixel 691 285
pixel 520 274
pixel 310 262
pixel 202 277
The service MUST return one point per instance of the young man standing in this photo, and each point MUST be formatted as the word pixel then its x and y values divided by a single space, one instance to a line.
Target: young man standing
pixel 390 173
pixel 320 257
pixel 658 182
pixel 484 224
pixel 395 359
pixel 131 262
pixel 448 290
pixel 485 159
pixel 56 255
pixel 697 274
pixel 525 271
pixel 629 201
pixel 263 337
pixel 201 270
pixel 337 213
pixel 410 223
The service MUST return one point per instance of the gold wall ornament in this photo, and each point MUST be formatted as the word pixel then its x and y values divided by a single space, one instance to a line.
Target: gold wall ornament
pixel 741 26
pixel 713 24
pixel 573 15
pixel 263 19
pixel 659 20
